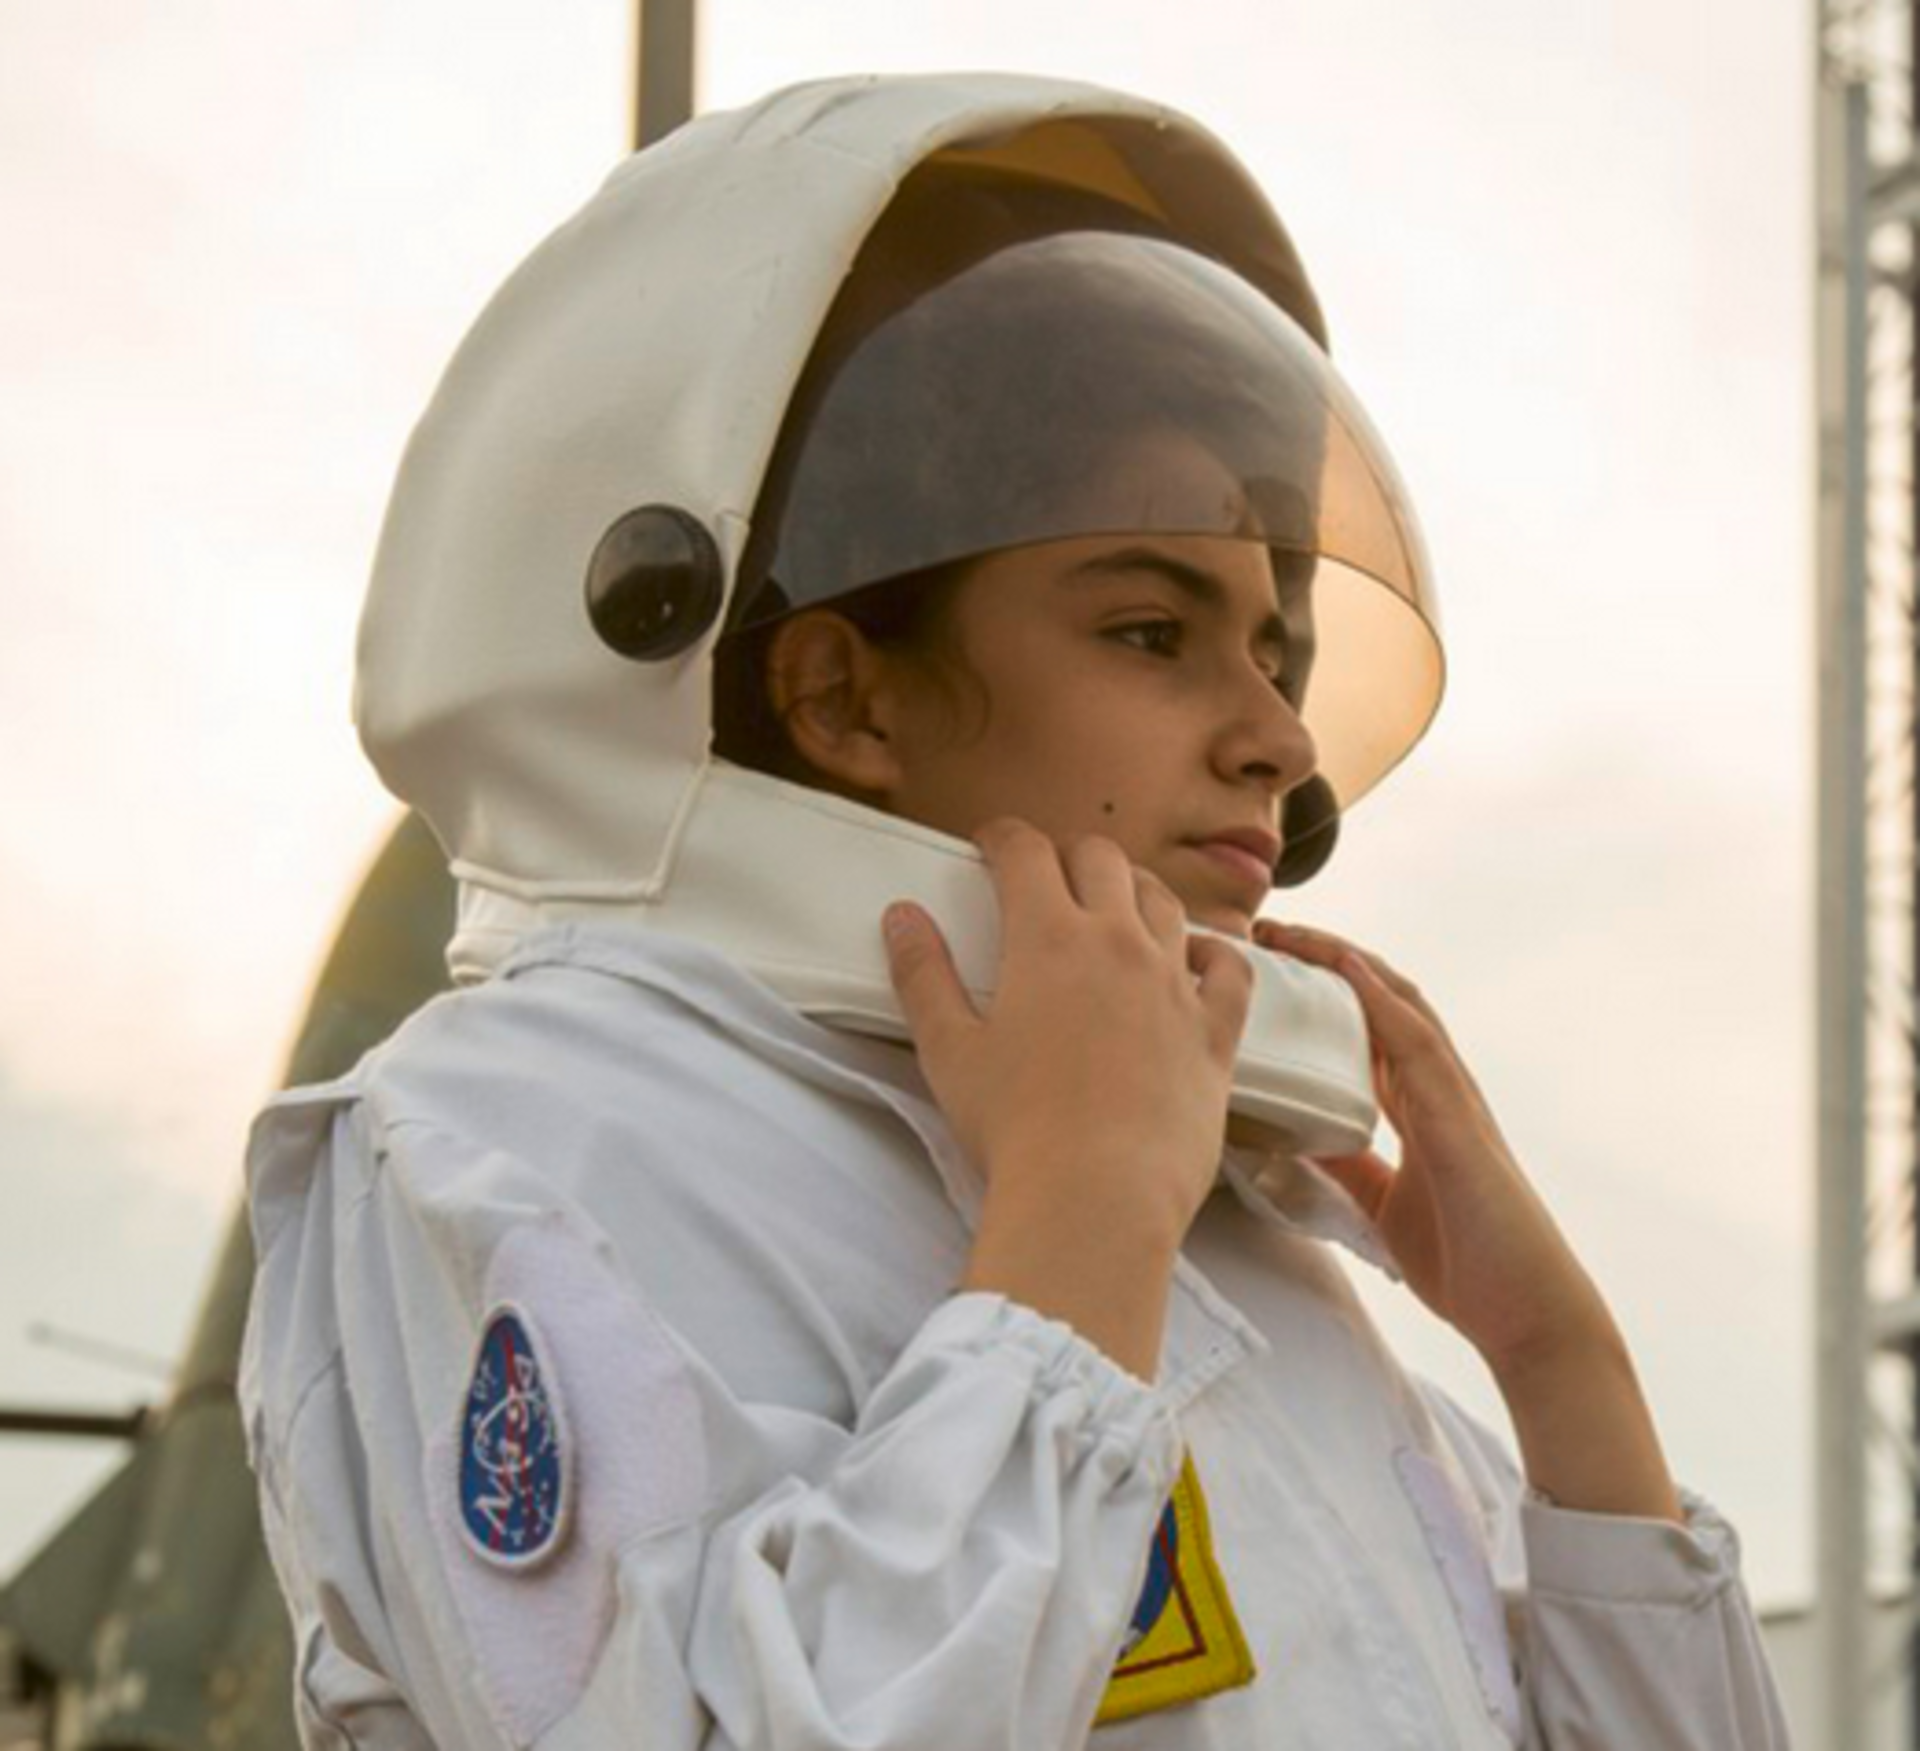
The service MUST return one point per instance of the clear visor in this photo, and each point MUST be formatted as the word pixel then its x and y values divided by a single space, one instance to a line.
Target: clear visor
pixel 1103 382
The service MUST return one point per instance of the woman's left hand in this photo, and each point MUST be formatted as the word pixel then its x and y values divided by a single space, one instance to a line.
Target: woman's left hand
pixel 1469 1233
pixel 1476 1244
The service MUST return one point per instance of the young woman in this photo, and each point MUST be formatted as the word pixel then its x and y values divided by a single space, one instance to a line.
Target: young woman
pixel 1136 739
pixel 755 1314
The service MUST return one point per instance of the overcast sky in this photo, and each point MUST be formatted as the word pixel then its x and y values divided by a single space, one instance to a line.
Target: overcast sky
pixel 1565 254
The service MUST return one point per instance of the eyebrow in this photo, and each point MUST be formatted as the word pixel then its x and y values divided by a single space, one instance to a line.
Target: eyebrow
pixel 1192 581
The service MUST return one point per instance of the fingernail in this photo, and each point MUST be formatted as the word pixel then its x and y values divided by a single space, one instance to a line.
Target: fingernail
pixel 898 921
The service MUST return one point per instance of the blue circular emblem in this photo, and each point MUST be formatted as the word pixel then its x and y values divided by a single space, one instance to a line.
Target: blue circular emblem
pixel 1162 1561
pixel 513 1455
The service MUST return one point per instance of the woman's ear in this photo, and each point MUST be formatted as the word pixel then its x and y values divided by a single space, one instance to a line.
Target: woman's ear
pixel 831 689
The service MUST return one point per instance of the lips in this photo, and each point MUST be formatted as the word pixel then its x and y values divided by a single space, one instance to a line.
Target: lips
pixel 1247 853
pixel 1255 841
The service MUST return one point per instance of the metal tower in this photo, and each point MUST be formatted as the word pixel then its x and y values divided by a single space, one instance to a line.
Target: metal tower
pixel 1868 827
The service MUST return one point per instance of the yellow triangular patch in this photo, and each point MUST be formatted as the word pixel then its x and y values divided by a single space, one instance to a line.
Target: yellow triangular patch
pixel 1184 1641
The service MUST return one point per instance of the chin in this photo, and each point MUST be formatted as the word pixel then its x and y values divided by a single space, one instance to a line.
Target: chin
pixel 1227 920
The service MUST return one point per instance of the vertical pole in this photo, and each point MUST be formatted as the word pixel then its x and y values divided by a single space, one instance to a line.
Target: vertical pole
pixel 663 73
pixel 1840 813
pixel 1911 898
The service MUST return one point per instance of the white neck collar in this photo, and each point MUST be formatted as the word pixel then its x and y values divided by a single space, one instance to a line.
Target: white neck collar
pixel 790 884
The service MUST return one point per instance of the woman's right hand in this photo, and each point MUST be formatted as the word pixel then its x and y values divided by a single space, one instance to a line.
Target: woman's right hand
pixel 1092 1093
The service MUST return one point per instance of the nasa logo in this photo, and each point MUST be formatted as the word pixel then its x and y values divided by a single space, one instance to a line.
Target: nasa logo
pixel 515 1489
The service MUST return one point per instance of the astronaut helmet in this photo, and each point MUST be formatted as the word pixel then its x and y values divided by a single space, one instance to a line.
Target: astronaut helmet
pixel 809 351
pixel 1013 363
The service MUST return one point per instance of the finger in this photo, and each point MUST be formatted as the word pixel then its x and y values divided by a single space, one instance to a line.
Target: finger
pixel 1365 1178
pixel 1412 1045
pixel 1225 977
pixel 1323 948
pixel 1100 875
pixel 1394 1020
pixel 1160 908
pixel 1400 985
pixel 1405 1034
pixel 1298 940
pixel 1027 876
pixel 932 999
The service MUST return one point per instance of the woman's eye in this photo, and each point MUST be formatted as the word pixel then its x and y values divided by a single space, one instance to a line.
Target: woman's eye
pixel 1161 638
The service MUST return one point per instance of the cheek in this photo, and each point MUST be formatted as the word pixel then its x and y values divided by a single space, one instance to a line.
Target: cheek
pixel 1085 770
pixel 1055 739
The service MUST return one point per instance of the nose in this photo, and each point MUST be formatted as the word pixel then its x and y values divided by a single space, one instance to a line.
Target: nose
pixel 1263 739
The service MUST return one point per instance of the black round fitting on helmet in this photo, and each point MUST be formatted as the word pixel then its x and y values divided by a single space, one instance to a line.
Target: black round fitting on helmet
pixel 655 583
pixel 1310 824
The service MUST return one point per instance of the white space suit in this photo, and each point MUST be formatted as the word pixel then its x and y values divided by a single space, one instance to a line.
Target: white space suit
pixel 604 1379
pixel 818 1502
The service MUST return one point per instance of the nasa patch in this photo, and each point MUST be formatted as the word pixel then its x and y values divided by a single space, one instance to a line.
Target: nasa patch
pixel 515 1485
pixel 1184 1641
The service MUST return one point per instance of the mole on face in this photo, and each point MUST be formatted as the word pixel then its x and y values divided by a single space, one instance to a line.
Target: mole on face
pixel 1106 808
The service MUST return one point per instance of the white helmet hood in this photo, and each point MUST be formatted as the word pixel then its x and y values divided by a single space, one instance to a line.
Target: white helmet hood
pixel 565 781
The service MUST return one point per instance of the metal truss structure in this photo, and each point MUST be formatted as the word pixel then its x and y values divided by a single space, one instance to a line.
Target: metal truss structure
pixel 1868 827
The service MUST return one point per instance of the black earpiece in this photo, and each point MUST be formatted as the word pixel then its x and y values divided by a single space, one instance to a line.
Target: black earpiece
pixel 1310 827
pixel 654 583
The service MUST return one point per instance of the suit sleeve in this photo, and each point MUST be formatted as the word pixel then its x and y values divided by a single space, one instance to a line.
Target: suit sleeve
pixel 954 1568
pixel 1625 1631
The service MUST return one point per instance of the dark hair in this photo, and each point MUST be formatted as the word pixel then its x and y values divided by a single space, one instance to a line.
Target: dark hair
pixel 909 616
